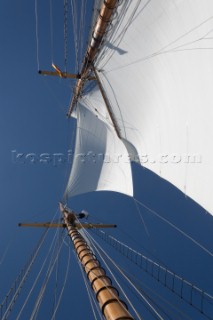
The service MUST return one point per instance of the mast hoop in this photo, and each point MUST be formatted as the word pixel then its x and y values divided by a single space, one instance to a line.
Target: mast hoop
pixel 86 254
pixel 80 240
pixel 82 245
pixel 106 288
pixel 90 260
pixel 115 300
pixel 99 277
pixel 93 268
pixel 85 249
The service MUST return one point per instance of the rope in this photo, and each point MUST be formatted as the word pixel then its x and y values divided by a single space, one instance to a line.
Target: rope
pixel 90 295
pixel 96 245
pixel 37 42
pixel 136 282
pixel 64 284
pixel 51 28
pixel 74 21
pixel 91 242
pixel 170 280
pixel 65 33
pixel 37 278
pixel 20 280
pixel 176 228
pixel 52 263
pixel 81 28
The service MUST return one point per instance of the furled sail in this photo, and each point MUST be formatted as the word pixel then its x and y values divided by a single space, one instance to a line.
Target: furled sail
pixel 157 71
pixel 101 160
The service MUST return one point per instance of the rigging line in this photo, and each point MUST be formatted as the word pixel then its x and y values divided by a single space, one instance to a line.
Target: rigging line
pixel 176 228
pixel 144 299
pixel 51 28
pixel 138 296
pixel 6 250
pixel 145 249
pixel 155 270
pixel 24 274
pixel 80 36
pixel 65 33
pixel 74 23
pixel 71 146
pixel 93 302
pixel 96 246
pixel 36 27
pixel 141 217
pixel 37 277
pixel 82 28
pixel 159 297
pixel 56 275
pixel 45 282
pixel 124 29
pixel 51 267
pixel 145 227
pixel 64 284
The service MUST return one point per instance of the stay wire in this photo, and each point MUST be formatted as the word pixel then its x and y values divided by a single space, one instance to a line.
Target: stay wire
pixel 37 36
pixel 96 246
pixel 74 22
pixel 64 285
pixel 175 227
pixel 116 266
pixel 23 275
pixel 136 282
pixel 65 33
pixel 51 29
pixel 160 273
pixel 93 302
pixel 37 278
pixel 56 277
pixel 52 262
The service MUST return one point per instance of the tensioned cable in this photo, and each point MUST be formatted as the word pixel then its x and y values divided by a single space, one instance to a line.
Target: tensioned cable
pixel 37 277
pixel 136 282
pixel 162 274
pixel 37 41
pixel 64 284
pixel 96 246
pixel 65 33
pixel 175 227
pixel 81 29
pixel 23 275
pixel 93 302
pixel 159 297
pixel 91 242
pixel 74 22
pixel 144 299
pixel 44 285
pixel 51 29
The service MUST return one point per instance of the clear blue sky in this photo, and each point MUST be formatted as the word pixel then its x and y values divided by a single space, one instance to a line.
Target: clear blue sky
pixel 33 120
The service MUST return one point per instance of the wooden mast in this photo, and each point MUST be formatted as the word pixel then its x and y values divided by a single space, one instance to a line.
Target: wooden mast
pixel 111 306
pixel 102 22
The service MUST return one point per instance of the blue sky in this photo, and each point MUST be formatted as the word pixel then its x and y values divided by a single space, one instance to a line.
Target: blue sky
pixel 33 120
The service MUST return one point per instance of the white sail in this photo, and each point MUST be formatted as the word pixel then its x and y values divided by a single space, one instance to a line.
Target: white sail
pixel 101 160
pixel 157 71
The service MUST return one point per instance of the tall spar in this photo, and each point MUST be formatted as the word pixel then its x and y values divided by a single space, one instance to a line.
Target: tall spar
pixel 112 307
